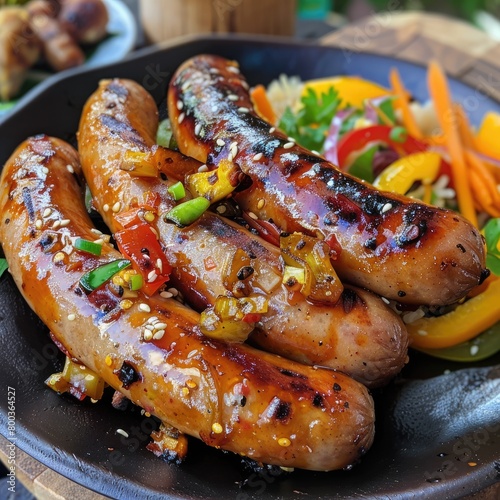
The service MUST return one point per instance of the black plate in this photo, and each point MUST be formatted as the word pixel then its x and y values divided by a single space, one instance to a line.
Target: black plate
pixel 430 432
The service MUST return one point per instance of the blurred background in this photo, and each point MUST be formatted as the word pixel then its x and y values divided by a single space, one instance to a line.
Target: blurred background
pixel 321 15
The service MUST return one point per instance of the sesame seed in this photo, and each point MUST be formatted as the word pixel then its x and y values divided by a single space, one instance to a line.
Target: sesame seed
pixel 99 241
pixel 233 97
pixel 122 432
pixel 151 328
pixel 233 69
pixel 159 334
pixel 261 203
pixel 38 224
pixel 272 130
pixel 220 142
pixel 59 256
pixel 197 129
pixel 47 212
pixel 244 84
pixel 45 170
pixel 474 349
pixel 291 139
pixel 148 335
pixel 173 291
pixel 108 360
pixel 70 169
pixel 258 157
pixel 116 207
pixel 152 276
pixel 185 86
pixel 153 230
pixel 106 238
pixel 125 304
pixel 56 224
pixel 253 216
pixel 96 231
pixel 105 207
pixel 166 295
pixel 284 442
pixel 289 145
pixel 144 307
pixel 160 326
pixel 203 168
pixel 159 264
pixel 422 333
pixel 71 317
pixel 314 152
pixel 65 222
pixel 242 109
pixel 180 104
pixel 153 319
pixel 181 118
pixel 386 207
pixel 387 301
pixel 217 428
pixel 192 353
pixel 230 157
pixel 221 209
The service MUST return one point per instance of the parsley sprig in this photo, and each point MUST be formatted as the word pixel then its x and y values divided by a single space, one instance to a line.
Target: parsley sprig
pixel 492 235
pixel 310 124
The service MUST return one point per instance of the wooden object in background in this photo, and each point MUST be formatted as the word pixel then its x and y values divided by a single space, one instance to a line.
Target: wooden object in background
pixel 166 19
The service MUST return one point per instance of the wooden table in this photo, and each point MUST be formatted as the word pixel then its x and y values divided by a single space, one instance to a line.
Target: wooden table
pixel 465 53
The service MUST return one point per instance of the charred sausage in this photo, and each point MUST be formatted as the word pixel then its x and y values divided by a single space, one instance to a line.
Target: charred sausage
pixel 359 335
pixel 400 248
pixel 230 396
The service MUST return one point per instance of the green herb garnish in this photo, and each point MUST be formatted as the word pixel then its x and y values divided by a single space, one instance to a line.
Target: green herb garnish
pixel 3 266
pixel 310 124
pixel 492 235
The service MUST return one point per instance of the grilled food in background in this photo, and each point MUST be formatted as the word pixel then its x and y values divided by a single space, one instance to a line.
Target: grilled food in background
pixel 50 31
pixel 19 50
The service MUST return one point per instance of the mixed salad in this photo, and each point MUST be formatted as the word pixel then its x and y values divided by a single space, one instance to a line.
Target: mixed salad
pixel 427 151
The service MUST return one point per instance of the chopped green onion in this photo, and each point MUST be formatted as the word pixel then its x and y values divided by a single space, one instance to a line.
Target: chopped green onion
pixel 3 266
pixel 136 281
pixel 98 276
pixel 89 200
pixel 186 213
pixel 398 134
pixel 177 190
pixel 88 246
pixel 164 133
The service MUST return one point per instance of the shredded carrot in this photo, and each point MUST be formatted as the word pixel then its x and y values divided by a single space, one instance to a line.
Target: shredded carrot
pixel 262 105
pixel 464 128
pixel 439 91
pixel 485 176
pixel 402 102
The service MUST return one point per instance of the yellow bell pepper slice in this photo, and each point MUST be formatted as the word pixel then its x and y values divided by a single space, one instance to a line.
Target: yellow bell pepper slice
pixel 351 90
pixel 464 323
pixel 400 175
pixel 487 135
pixel 214 185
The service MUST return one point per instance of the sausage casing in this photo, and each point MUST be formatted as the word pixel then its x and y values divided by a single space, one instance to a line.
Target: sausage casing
pixel 397 247
pixel 230 396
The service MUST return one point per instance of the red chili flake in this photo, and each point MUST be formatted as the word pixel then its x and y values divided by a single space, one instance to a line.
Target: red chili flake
pixel 209 264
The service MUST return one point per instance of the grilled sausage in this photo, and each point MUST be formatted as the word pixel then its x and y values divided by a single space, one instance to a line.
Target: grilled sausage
pixel 397 247
pixel 19 50
pixel 85 20
pixel 229 395
pixel 59 49
pixel 359 335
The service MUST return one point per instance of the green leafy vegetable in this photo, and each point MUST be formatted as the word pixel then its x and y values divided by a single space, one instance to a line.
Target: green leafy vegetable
pixel 362 167
pixel 3 266
pixel 492 234
pixel 164 133
pixel 309 125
